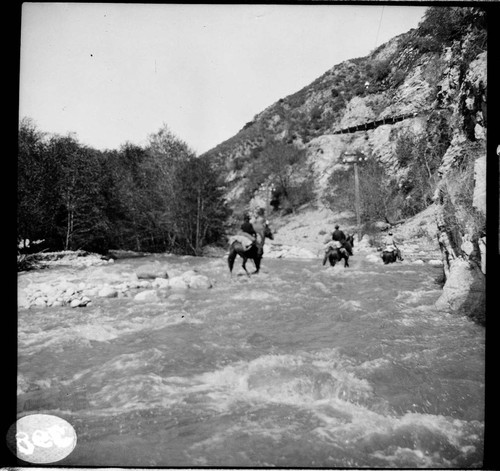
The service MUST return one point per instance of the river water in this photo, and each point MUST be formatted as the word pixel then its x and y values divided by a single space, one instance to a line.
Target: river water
pixel 299 366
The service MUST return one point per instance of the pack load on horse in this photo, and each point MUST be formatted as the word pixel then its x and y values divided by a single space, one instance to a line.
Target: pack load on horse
pixel 391 252
pixel 249 243
pixel 340 247
pixel 247 236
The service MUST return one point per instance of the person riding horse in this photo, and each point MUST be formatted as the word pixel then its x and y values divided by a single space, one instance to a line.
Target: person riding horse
pixel 248 236
pixel 338 240
pixel 338 235
pixel 391 247
pixel 249 243
pixel 390 243
pixel 259 224
pixel 247 226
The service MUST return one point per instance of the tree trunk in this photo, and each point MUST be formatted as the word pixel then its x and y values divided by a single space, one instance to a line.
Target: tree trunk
pixel 69 229
pixel 198 215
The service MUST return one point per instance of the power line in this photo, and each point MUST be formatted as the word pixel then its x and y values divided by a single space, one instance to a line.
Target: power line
pixel 379 23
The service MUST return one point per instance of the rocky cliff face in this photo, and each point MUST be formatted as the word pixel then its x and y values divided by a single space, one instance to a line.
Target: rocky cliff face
pixel 405 87
pixel 461 193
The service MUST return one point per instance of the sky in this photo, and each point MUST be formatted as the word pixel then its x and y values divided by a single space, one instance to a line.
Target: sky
pixel 111 73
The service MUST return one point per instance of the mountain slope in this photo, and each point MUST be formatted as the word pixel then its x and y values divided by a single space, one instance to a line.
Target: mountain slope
pixel 416 107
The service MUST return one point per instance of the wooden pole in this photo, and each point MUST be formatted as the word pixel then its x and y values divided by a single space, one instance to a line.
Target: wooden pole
pixel 356 192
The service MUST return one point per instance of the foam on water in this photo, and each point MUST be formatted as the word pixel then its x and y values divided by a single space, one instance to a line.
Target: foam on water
pixel 344 413
pixel 302 365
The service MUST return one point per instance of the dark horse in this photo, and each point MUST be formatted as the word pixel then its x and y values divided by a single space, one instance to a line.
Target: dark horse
pixel 391 256
pixel 334 255
pixel 255 252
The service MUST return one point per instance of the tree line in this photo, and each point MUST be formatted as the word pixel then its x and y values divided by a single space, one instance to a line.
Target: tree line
pixel 156 198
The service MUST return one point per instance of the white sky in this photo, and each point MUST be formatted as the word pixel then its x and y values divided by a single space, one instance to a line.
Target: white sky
pixel 116 73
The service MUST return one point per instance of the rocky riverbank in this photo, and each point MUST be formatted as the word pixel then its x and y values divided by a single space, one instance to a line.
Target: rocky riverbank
pixel 77 279
pixel 52 285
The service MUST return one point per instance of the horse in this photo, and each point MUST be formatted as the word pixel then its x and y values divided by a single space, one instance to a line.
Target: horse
pixel 390 256
pixel 334 255
pixel 255 252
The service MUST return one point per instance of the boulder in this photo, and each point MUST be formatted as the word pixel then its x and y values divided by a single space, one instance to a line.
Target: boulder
pixel 464 291
pixel 199 282
pixel 107 292
pixel 149 296
pixel 177 282
pixel 151 271
pixel 80 302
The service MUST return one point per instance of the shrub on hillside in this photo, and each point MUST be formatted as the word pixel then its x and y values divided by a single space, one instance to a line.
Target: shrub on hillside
pixel 282 166
pixel 420 156
pixel 377 192
pixel 380 70
pixel 457 198
pixel 447 24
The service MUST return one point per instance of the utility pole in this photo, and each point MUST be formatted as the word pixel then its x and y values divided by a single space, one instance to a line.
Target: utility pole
pixel 355 158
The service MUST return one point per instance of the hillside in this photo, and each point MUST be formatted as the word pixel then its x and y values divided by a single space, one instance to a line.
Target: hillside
pixel 416 108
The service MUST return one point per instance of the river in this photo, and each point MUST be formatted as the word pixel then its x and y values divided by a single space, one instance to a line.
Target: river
pixel 299 366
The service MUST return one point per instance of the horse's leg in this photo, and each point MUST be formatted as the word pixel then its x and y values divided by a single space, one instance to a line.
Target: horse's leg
pixel 346 262
pixel 325 258
pixel 256 260
pixel 230 260
pixel 332 259
pixel 244 265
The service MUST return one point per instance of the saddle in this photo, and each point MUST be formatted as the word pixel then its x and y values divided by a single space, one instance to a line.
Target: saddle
pixel 333 244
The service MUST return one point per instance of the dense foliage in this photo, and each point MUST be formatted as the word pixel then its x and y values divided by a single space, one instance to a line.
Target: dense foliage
pixel 379 196
pixel 158 198
pixel 283 169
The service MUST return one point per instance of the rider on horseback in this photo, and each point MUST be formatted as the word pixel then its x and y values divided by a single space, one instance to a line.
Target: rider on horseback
pixel 390 245
pixel 259 224
pixel 248 236
pixel 338 240
pixel 338 235
pixel 247 226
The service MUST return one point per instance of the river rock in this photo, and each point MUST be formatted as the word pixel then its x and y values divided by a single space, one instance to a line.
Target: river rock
pixel 107 292
pixel 436 262
pixel 80 302
pixel 92 292
pixel 187 275
pixel 177 282
pixel 40 302
pixel 149 295
pixel 160 283
pixel 200 282
pixel 151 271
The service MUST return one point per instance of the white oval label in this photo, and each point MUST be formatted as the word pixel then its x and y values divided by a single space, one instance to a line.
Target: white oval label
pixel 41 438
